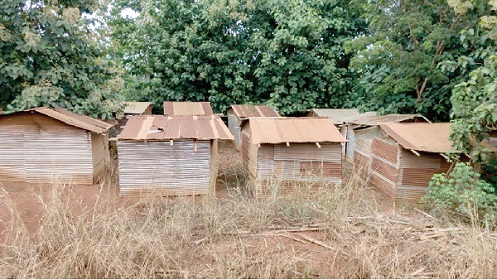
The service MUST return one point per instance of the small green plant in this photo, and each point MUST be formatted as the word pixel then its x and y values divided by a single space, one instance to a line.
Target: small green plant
pixel 462 192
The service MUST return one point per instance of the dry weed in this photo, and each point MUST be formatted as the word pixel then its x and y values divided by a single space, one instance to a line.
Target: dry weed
pixel 335 232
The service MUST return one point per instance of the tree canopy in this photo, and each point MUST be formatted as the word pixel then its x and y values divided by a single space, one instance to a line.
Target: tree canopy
pixel 405 62
pixel 287 54
pixel 51 55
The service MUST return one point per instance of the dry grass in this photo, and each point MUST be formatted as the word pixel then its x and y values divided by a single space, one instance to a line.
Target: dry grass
pixel 331 233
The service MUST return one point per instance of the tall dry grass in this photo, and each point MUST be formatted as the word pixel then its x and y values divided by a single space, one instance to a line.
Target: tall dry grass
pixel 338 232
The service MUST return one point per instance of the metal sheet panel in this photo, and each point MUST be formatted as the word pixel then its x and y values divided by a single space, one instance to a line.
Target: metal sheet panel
pixel 250 111
pixel 137 108
pixel 187 108
pixel 162 128
pixel 160 168
pixel 385 150
pixel 12 159
pixel 73 119
pixel 58 154
pixel 391 118
pixel 293 130
pixel 279 163
pixel 427 137
pixel 340 116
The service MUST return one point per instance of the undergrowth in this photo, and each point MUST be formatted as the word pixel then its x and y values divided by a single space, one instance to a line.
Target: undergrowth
pixel 335 232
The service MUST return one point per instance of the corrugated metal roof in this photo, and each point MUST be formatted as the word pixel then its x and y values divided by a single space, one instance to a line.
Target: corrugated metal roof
pixel 136 108
pixel 391 118
pixel 250 111
pixel 187 108
pixel 70 118
pixel 175 127
pixel 425 137
pixel 293 130
pixel 340 116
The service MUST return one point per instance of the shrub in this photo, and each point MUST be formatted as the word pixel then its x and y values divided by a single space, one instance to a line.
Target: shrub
pixel 463 193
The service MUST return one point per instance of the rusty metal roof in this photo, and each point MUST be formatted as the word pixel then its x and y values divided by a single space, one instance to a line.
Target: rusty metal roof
pixel 175 127
pixel 136 108
pixel 250 111
pixel 424 137
pixel 293 130
pixel 391 118
pixel 340 116
pixel 70 118
pixel 187 108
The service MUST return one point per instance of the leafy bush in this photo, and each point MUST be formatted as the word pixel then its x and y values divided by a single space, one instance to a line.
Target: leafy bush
pixel 462 192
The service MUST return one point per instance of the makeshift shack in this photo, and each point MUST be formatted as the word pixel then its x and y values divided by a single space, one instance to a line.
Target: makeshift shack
pixel 404 157
pixel 238 114
pixel 44 145
pixel 340 118
pixel 280 153
pixel 362 130
pixel 169 155
pixel 187 108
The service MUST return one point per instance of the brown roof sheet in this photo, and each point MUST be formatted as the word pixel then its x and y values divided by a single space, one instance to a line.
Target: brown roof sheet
pixel 73 119
pixel 425 137
pixel 187 108
pixel 175 127
pixel 340 116
pixel 250 111
pixel 391 118
pixel 293 130
pixel 136 108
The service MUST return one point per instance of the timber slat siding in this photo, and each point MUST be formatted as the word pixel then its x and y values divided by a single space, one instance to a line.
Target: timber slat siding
pixel 160 168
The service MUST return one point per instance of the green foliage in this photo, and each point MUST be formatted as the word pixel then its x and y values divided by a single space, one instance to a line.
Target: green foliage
pixel 462 192
pixel 51 55
pixel 400 62
pixel 287 54
pixel 474 100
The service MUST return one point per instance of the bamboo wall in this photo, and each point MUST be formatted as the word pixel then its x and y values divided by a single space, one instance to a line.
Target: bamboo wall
pixel 39 149
pixel 158 167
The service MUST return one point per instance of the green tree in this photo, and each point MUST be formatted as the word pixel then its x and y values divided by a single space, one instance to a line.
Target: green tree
pixel 288 54
pixel 474 101
pixel 51 55
pixel 403 62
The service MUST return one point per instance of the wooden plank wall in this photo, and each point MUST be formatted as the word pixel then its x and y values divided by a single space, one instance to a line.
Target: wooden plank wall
pixel 415 174
pixel 158 167
pixel 284 167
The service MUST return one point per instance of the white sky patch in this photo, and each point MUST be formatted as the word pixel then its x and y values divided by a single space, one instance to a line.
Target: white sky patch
pixel 129 13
